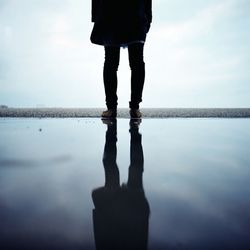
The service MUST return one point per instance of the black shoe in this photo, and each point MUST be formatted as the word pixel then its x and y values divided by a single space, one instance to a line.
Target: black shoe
pixel 110 113
pixel 109 121
pixel 135 113
pixel 134 124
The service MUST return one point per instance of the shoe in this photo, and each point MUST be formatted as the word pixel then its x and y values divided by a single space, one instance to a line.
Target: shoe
pixel 134 123
pixel 110 113
pixel 135 113
pixel 109 121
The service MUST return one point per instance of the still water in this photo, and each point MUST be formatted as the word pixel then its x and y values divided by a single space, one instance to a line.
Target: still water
pixel 161 184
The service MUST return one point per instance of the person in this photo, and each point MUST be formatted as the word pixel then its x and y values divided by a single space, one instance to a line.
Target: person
pixel 122 23
pixel 121 213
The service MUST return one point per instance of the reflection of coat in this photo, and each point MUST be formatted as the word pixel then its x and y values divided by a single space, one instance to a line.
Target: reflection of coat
pixel 121 219
pixel 118 22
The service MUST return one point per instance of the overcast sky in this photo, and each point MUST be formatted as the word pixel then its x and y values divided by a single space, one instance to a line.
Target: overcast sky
pixel 197 55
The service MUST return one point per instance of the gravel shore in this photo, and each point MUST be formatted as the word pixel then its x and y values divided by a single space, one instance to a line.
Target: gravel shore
pixel 124 113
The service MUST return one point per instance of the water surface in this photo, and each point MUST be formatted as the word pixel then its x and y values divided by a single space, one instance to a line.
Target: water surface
pixel 169 184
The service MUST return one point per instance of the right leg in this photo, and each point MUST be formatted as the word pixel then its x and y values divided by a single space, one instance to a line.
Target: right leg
pixel 136 158
pixel 112 57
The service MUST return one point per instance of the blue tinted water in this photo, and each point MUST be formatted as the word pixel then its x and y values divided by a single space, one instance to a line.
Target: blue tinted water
pixel 195 192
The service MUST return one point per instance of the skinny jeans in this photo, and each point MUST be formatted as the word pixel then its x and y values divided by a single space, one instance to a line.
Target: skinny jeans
pixel 137 66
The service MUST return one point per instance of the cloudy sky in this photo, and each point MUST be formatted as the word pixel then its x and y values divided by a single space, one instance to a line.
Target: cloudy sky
pixel 197 55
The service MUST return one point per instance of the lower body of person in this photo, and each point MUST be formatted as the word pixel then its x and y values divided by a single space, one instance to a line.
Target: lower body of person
pixel 137 66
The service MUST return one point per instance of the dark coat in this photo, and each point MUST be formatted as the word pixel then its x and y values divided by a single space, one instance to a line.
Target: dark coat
pixel 120 22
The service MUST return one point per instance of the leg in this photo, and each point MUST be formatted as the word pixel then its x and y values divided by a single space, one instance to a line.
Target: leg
pixel 136 158
pixel 109 157
pixel 104 198
pixel 137 73
pixel 112 57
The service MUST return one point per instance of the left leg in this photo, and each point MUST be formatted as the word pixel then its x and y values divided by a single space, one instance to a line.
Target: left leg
pixel 109 157
pixel 137 66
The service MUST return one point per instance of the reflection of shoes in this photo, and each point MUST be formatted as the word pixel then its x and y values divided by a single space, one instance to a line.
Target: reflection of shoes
pixel 134 123
pixel 135 113
pixel 109 121
pixel 110 113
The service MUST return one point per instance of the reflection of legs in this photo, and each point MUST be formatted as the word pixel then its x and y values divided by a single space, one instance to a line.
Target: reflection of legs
pixel 121 214
pixel 136 158
pixel 137 73
pixel 137 204
pixel 104 198
pixel 112 57
pixel 109 157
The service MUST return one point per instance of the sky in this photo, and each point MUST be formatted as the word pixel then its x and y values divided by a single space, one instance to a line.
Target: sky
pixel 196 54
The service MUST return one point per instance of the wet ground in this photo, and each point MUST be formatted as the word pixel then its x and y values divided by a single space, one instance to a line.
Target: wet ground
pixel 161 184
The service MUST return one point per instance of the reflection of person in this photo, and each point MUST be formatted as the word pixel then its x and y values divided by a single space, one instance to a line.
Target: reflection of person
pixel 121 213
pixel 122 24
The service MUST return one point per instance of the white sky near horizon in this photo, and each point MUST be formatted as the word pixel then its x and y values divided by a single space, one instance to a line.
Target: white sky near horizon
pixel 196 54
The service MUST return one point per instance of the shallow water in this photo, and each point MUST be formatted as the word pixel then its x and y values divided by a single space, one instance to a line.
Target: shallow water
pixel 195 192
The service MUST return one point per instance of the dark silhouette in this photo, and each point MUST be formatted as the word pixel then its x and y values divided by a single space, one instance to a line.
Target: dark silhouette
pixel 121 212
pixel 122 24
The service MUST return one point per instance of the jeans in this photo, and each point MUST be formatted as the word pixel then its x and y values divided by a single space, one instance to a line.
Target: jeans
pixel 137 66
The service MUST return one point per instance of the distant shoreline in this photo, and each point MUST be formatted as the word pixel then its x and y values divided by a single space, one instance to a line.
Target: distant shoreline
pixel 124 113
